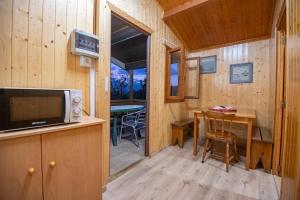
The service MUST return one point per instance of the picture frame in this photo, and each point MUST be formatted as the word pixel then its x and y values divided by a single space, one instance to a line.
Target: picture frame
pixel 241 73
pixel 208 64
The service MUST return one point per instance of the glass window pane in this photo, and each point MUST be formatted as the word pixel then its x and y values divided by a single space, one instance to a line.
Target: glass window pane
pixel 139 83
pixel 174 73
pixel 119 83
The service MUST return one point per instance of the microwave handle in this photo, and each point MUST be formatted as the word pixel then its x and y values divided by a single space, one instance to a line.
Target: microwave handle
pixel 67 106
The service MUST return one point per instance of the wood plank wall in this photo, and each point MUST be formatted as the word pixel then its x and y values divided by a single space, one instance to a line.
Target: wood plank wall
pixel 35 44
pixel 148 13
pixel 215 89
pixel 291 163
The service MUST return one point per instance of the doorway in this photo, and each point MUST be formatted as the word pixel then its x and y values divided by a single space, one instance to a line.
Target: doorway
pixel 129 83
pixel 280 114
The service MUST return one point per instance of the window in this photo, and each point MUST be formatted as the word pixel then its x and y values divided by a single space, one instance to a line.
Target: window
pixel 174 88
pixel 140 83
pixel 119 82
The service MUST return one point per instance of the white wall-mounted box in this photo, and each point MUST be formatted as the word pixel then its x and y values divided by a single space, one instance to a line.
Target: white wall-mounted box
pixel 84 44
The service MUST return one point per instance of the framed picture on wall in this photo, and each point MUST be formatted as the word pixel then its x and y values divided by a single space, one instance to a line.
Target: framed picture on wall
pixel 241 73
pixel 208 65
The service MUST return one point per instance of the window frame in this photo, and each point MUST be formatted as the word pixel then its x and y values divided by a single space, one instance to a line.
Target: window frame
pixel 181 74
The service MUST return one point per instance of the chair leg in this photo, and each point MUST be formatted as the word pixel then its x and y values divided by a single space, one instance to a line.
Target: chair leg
pixel 227 157
pixel 236 152
pixel 136 139
pixel 121 132
pixel 212 148
pixel 204 150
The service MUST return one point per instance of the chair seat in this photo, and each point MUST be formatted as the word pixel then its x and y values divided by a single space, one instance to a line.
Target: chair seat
pixel 134 124
pixel 129 123
pixel 222 137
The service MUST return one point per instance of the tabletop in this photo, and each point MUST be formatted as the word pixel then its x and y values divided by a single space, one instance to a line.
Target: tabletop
pixel 125 108
pixel 242 112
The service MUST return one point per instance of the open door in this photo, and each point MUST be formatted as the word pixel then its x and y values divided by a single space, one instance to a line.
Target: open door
pixel 129 94
pixel 280 94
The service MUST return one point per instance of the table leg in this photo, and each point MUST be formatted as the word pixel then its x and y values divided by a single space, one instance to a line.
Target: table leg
pixel 114 136
pixel 195 134
pixel 249 139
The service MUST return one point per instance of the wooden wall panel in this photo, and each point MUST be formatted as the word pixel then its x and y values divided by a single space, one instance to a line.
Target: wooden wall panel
pixel 291 160
pixel 5 41
pixel 147 13
pixel 34 75
pixel 215 89
pixel 70 72
pixel 60 43
pixel 35 45
pixel 20 43
pixel 48 45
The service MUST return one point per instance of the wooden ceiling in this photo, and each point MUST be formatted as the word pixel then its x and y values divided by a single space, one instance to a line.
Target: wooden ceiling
pixel 169 4
pixel 128 44
pixel 203 24
pixel 122 31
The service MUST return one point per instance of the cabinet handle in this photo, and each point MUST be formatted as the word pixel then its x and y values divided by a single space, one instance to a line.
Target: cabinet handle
pixel 31 170
pixel 52 164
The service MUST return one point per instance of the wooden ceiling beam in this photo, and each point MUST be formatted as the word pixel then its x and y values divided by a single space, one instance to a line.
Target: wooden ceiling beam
pixel 183 7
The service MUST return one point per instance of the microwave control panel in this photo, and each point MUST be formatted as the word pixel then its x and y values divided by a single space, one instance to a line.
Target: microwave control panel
pixel 76 106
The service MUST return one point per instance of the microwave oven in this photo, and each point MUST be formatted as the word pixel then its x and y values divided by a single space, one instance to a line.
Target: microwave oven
pixel 24 108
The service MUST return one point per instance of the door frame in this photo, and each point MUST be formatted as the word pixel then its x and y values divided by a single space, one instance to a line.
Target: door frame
pixel 113 10
pixel 279 117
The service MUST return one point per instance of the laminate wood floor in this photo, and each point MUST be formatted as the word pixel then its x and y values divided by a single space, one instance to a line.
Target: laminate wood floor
pixel 125 154
pixel 174 174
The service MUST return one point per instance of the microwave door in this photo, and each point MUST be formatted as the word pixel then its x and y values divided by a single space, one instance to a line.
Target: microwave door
pixel 67 106
pixel 28 108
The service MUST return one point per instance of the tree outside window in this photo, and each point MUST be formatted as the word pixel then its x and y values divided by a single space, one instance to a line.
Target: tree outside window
pixel 120 83
pixel 140 83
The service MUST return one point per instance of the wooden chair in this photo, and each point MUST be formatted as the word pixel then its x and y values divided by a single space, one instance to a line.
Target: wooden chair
pixel 216 123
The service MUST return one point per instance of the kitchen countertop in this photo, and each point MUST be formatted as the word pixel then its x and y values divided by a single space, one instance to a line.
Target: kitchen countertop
pixel 87 121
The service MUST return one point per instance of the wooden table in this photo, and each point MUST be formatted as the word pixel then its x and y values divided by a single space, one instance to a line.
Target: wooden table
pixel 243 116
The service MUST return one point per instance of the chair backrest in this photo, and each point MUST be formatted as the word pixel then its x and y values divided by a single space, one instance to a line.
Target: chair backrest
pixel 141 116
pixel 216 121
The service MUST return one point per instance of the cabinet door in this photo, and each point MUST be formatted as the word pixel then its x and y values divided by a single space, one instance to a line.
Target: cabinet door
pixel 71 164
pixel 20 169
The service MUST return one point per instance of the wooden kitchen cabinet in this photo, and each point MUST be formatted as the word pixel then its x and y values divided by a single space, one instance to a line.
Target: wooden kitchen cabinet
pixel 71 164
pixel 52 163
pixel 20 169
